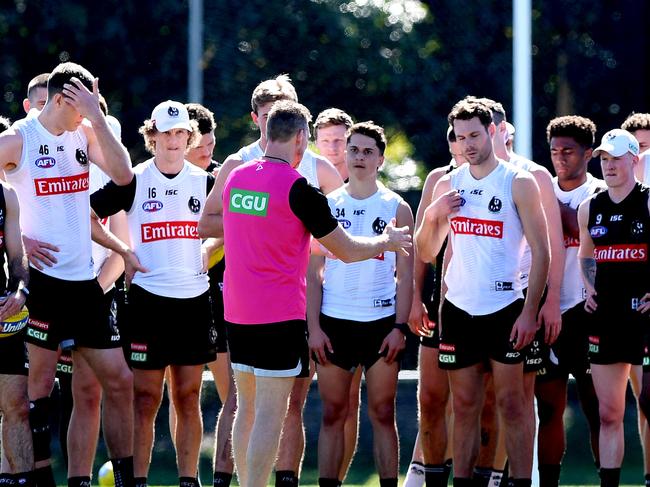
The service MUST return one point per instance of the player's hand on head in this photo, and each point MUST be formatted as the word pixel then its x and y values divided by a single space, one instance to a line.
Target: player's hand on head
pixel 393 344
pixel 39 253
pixel 319 343
pixel 83 100
pixel 399 238
pixel 644 304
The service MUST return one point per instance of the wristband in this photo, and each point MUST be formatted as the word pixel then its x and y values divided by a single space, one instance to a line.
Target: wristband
pixel 403 327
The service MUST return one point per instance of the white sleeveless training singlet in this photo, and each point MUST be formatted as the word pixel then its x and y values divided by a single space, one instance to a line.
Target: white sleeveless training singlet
pixel 52 184
pixel 487 241
pixel 573 290
pixel 307 167
pixel 163 228
pixel 361 291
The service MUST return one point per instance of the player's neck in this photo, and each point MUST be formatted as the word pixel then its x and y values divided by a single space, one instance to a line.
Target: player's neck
pixel 567 185
pixel 479 171
pixel 168 164
pixel 361 189
pixel 280 152
pixel 619 193
pixel 49 121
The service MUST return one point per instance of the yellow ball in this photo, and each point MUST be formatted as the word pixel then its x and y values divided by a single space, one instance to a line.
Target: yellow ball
pixel 14 324
pixel 105 476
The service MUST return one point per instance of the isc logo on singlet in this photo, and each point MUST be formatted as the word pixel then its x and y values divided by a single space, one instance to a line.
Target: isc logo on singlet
pixel 248 202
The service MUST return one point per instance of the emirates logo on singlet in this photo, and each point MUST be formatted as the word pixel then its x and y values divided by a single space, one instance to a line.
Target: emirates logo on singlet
pixel 152 232
pixel 622 253
pixel 571 242
pixel 61 185
pixel 473 226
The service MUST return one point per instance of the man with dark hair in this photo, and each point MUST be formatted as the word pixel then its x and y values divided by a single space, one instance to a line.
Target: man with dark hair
pixel 638 124
pixel 201 155
pixel 347 329
pixel 613 255
pixel 17 453
pixel 487 207
pixel 45 158
pixel 571 139
pixel 268 346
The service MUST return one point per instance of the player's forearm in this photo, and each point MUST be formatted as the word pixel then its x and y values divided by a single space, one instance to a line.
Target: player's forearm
pixel 556 268
pixel 429 238
pixel 588 268
pixel 111 270
pixel 538 277
pixel 18 273
pixel 101 235
pixel 403 297
pixel 314 295
pixel 211 225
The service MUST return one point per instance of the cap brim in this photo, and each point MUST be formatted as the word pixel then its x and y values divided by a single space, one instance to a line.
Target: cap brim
pixel 610 149
pixel 163 127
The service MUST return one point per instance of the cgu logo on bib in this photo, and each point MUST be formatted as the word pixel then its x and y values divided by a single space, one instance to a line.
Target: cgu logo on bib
pixel 248 202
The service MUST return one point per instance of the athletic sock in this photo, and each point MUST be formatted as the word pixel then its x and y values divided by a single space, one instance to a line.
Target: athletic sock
pixel 463 482
pixel 610 477
pixel 481 476
pixel 140 481
pixel 496 479
pixel 189 482
pixel 123 471
pixel 549 475
pixel 39 422
pixel 388 482
pixel 414 475
pixel 325 482
pixel 519 482
pixel 44 476
pixel 222 479
pixel 286 478
pixel 435 475
pixel 78 481
pixel 647 480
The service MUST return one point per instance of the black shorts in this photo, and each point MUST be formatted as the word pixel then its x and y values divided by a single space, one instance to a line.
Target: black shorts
pixel 616 334
pixel 216 298
pixel 468 340
pixel 538 350
pixel 13 354
pixel 166 331
pixel 270 350
pixel 433 340
pixel 64 366
pixel 569 353
pixel 70 312
pixel 646 352
pixel 356 342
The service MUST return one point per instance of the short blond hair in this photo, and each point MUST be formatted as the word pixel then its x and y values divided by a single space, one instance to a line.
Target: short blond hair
pixel 272 90
pixel 149 131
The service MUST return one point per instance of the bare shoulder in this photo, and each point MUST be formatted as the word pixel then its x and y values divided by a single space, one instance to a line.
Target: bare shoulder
pixel 11 146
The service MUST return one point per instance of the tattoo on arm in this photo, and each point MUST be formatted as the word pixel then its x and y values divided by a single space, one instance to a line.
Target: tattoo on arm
pixel 588 266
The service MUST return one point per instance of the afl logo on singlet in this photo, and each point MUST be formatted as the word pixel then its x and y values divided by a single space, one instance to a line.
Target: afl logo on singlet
pixel 598 231
pixel 45 162
pixel 152 205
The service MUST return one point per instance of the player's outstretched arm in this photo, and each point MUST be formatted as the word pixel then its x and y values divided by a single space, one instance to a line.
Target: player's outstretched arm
pixel 211 221
pixel 328 177
pixel 526 196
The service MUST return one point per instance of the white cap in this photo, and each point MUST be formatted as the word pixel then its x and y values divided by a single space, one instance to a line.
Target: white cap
pixel 617 142
pixel 171 115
